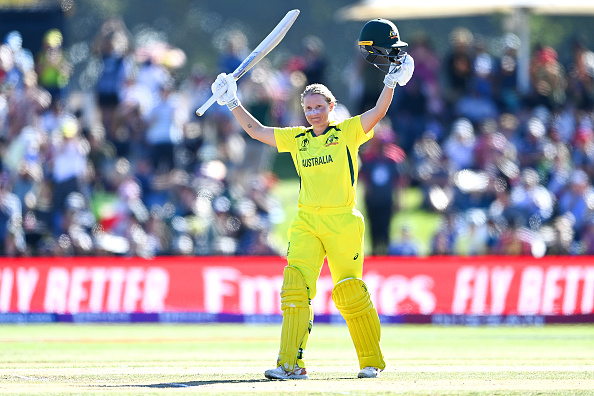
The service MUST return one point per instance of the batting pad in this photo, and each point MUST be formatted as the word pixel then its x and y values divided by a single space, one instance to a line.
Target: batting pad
pixel 297 319
pixel 352 300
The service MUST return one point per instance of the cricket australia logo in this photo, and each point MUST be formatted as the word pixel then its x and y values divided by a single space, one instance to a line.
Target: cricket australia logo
pixel 332 140
pixel 304 145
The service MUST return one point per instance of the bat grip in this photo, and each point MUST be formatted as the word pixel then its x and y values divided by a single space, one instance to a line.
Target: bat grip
pixel 215 96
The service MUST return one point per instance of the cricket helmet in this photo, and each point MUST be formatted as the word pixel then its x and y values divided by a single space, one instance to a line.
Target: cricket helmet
pixel 380 44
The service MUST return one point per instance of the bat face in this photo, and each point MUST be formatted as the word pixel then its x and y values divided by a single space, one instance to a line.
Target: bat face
pixel 243 68
pixel 267 44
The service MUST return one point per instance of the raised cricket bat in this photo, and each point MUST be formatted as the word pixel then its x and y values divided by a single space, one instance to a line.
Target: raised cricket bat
pixel 260 52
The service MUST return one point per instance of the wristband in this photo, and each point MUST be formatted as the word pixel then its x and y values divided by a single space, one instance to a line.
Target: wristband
pixel 233 103
pixel 390 81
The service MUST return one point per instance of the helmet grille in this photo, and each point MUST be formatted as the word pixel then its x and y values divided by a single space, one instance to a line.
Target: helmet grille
pixel 381 57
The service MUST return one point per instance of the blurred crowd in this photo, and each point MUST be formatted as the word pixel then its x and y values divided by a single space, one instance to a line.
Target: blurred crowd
pixel 509 171
pixel 134 172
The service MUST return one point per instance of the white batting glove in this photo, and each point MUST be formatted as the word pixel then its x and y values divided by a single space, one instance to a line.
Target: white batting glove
pixel 227 82
pixel 400 73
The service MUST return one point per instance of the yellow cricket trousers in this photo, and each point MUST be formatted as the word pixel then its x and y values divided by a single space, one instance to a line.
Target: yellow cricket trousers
pixel 335 233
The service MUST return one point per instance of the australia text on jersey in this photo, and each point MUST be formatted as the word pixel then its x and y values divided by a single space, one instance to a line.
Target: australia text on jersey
pixel 324 159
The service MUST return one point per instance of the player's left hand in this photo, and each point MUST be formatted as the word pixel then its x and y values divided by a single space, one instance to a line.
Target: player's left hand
pixel 401 72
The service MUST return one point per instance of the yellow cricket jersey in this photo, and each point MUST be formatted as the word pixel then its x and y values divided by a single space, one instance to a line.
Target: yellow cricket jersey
pixel 326 164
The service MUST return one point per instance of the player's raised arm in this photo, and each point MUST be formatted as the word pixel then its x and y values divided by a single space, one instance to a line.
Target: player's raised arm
pixel 251 125
pixel 381 46
pixel 398 75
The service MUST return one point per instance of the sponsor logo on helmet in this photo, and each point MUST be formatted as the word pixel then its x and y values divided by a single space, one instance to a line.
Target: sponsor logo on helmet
pixel 393 34
pixel 365 42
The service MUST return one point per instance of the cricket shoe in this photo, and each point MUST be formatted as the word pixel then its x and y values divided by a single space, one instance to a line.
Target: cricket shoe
pixel 369 372
pixel 280 373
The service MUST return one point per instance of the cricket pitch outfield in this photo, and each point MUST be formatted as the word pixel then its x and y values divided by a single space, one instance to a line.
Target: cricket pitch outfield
pixel 142 359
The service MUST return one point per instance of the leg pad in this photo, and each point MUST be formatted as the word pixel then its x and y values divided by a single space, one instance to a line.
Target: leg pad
pixel 354 303
pixel 297 319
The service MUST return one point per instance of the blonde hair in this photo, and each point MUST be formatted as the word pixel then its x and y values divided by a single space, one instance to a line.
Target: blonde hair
pixel 319 89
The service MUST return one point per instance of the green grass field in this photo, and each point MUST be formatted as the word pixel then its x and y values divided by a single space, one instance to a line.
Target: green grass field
pixel 144 359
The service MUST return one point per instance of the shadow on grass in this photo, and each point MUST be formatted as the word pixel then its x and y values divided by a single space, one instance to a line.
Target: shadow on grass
pixel 190 384
pixel 187 384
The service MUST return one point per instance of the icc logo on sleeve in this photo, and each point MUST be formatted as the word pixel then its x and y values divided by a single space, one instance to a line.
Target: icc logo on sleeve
pixel 304 144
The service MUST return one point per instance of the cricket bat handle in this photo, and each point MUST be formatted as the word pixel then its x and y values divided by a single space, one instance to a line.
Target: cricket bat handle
pixel 215 96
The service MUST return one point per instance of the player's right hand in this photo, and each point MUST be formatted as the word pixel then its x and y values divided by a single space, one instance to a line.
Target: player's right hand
pixel 226 81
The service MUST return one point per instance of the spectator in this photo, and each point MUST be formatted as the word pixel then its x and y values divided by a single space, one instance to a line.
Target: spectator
pixel 506 75
pixel 69 160
pixel 25 105
pixel 515 241
pixel 492 147
pixel 163 130
pixel 582 155
pixel 112 46
pixel 562 238
pixel 531 199
pixel 560 170
pixel 52 67
pixel 234 51
pixel 574 200
pixel 501 210
pixel 16 60
pixel 11 231
pixel 406 245
pixel 129 131
pixel 427 69
pixel 476 105
pixel 586 239
pixel 534 148
pixel 147 85
pixel 483 69
pixel 460 145
pixel 314 60
pixel 581 76
pixel 382 174
pixel 27 181
pixel 442 243
pixel 411 118
pixel 473 240
pixel 458 64
pixel 76 225
pixel 102 156
pixel 548 78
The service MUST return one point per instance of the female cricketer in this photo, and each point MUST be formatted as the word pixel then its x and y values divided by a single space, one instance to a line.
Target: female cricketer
pixel 327 223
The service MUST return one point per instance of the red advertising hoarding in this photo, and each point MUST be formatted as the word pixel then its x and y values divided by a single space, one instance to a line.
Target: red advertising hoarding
pixel 251 285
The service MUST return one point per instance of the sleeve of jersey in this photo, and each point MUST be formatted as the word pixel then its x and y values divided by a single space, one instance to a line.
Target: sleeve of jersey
pixel 353 125
pixel 285 139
